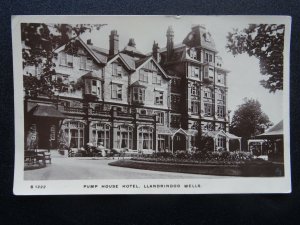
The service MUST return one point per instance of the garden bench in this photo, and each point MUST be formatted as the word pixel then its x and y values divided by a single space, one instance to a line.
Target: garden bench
pixel 43 156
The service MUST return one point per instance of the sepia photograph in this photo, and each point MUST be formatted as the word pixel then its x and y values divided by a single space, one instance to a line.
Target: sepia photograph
pixel 151 104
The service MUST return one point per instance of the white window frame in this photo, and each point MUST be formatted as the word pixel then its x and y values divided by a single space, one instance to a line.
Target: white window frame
pixel 158 97
pixel 116 91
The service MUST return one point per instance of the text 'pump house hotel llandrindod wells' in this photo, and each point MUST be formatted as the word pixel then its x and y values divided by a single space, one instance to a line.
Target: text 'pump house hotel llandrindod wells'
pixel 131 101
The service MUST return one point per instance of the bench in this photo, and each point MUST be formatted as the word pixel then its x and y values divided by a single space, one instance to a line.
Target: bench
pixel 30 156
pixel 43 156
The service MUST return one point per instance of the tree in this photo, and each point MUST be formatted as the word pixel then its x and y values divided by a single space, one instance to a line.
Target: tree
pixel 39 42
pixel 266 42
pixel 249 120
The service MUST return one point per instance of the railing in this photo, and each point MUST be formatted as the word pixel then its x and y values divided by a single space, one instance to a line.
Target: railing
pixel 98 112
pixel 73 110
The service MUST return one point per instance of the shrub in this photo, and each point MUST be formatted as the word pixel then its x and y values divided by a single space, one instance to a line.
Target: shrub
pixel 164 155
pixel 181 154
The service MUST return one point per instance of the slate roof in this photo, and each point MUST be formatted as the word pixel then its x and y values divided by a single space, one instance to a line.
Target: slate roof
pixel 276 130
pixel 93 75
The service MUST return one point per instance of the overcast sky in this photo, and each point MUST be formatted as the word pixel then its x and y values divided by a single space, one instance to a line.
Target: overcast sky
pixel 244 76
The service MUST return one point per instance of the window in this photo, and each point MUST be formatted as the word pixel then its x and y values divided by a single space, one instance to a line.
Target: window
pixel 158 97
pixel 74 134
pixel 193 53
pixel 175 121
pixel 208 109
pixel 194 90
pixel 116 91
pixel 138 94
pixel 211 73
pixel 208 93
pixel 156 78
pixel 101 134
pixel 143 112
pixel 221 78
pixel 116 70
pixel 221 111
pixel 206 57
pixel 160 118
pixel 143 76
pixel 195 71
pixel 221 142
pixel 205 72
pixel 94 87
pixel 162 142
pixel 145 138
pixel 195 107
pixel 66 59
pixel 210 58
pixel 221 95
pixel 85 63
pixel 124 137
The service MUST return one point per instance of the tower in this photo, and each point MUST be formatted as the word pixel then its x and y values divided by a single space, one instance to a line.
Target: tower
pixel 170 42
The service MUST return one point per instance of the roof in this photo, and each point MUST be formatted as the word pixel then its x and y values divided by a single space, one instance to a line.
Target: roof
pixel 45 110
pixel 92 75
pixel 139 63
pixel 216 133
pixel 128 60
pixel 100 55
pixel 274 131
pixel 138 84
pixel 132 50
pixel 200 37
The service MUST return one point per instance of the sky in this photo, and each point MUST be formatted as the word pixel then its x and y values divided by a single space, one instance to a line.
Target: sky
pixel 244 76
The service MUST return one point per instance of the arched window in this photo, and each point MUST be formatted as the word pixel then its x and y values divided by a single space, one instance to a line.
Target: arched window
pixel 124 137
pixel 74 133
pixel 145 138
pixel 101 134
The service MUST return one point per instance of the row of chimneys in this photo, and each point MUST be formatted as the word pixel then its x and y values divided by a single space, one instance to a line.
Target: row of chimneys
pixel 114 43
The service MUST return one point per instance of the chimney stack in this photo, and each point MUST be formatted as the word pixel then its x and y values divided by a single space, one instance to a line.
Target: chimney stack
pixel 155 52
pixel 131 42
pixel 170 42
pixel 113 43
pixel 89 42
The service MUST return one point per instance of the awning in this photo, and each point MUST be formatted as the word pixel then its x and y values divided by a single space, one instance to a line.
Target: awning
pixel 45 110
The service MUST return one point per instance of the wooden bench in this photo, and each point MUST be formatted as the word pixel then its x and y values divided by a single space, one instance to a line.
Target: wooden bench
pixel 43 156
pixel 30 156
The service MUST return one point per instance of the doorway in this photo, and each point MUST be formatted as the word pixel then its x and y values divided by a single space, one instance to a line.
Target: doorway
pixel 179 142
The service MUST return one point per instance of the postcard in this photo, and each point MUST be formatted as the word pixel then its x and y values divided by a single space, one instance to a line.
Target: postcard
pixel 151 104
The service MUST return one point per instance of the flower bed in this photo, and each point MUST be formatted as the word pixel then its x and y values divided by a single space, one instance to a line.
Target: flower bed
pixel 209 158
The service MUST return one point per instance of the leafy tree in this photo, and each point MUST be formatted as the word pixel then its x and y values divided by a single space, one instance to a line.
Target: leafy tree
pixel 266 42
pixel 249 120
pixel 39 42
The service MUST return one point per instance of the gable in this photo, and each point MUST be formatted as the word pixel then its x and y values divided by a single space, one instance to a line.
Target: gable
pixel 78 47
pixel 151 64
